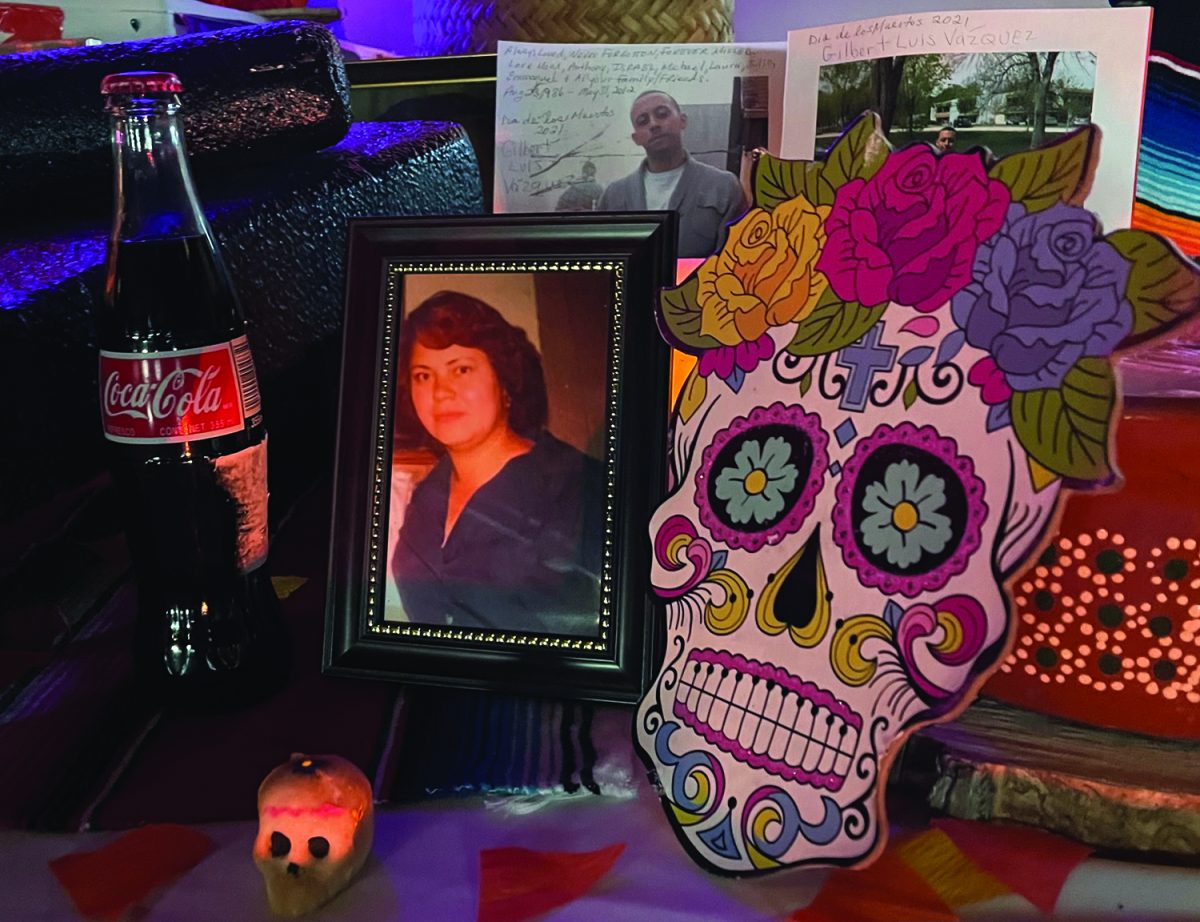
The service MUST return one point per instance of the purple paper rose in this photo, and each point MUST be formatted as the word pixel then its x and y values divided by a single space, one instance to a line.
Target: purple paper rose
pixel 909 233
pixel 1046 292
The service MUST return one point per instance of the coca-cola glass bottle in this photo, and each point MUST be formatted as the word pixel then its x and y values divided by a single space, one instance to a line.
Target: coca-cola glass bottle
pixel 182 415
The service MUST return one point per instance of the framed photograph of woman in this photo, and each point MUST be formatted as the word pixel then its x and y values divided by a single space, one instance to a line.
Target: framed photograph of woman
pixel 501 446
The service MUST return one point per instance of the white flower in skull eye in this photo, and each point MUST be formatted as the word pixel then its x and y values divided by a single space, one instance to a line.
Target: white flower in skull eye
pixel 757 483
pixel 903 520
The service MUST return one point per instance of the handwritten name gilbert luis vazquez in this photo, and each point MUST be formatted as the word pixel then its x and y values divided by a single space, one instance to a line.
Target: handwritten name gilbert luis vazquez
pixel 913 34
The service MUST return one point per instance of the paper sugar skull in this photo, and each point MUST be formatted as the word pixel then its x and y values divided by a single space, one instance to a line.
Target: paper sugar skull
pixel 315 825
pixel 902 359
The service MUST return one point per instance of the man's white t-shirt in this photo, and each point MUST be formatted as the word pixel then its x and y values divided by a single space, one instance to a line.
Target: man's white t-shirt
pixel 660 186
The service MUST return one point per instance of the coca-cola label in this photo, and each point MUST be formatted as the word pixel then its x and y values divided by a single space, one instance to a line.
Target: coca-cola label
pixel 158 397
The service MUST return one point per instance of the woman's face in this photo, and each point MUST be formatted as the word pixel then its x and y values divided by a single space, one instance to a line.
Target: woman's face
pixel 456 394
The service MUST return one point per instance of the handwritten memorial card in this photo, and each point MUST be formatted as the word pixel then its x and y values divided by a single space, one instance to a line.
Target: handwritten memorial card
pixel 578 128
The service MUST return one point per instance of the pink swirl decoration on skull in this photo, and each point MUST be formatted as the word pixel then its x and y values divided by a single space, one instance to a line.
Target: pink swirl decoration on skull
pixel 961 619
pixel 675 546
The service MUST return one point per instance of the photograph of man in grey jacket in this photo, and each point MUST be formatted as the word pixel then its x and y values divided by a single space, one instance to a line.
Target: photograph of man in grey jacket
pixel 670 179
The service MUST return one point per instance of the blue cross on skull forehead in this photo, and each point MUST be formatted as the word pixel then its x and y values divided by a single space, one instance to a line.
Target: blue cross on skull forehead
pixel 864 359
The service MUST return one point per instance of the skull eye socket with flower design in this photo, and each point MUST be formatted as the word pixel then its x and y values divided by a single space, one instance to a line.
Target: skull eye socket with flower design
pixel 901 359
pixel 759 477
pixel 909 510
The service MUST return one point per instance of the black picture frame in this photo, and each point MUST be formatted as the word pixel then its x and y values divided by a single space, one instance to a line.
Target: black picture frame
pixel 631 257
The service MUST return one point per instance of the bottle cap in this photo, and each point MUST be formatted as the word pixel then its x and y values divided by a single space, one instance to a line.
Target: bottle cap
pixel 140 83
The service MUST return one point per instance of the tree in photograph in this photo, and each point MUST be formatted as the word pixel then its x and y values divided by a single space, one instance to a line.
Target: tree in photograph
pixel 844 93
pixel 924 75
pixel 885 88
pixel 1041 65
pixel 1029 77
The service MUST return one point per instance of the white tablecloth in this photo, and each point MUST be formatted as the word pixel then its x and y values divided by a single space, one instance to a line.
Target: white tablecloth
pixel 425 868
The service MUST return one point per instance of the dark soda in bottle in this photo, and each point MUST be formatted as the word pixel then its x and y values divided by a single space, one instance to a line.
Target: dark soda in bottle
pixel 181 411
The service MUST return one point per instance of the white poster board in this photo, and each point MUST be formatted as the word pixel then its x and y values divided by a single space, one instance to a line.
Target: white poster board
pixel 1096 52
pixel 765 20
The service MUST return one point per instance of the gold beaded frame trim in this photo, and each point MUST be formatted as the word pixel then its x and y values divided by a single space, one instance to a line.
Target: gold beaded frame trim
pixel 376 624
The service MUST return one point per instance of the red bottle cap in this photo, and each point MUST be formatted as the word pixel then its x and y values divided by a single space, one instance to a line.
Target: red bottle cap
pixel 140 83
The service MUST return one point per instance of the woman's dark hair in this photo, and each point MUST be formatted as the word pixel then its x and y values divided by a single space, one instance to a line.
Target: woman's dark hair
pixel 451 318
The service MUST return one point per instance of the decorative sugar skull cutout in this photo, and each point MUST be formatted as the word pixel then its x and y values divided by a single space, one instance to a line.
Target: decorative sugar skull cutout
pixel 315 826
pixel 902 358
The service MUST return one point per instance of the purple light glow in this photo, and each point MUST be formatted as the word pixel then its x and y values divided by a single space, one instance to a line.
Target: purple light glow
pixel 383 24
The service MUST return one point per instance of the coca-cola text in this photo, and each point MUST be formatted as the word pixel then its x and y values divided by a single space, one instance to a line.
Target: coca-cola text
pixel 170 396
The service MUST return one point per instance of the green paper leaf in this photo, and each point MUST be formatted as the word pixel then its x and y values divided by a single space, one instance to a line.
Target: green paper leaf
pixel 1057 172
pixel 1164 287
pixel 858 153
pixel 834 323
pixel 805 383
pixel 777 181
pixel 681 315
pixel 910 394
pixel 1066 429
pixel 692 394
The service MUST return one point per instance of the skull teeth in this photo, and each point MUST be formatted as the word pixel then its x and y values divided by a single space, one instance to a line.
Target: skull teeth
pixel 767 718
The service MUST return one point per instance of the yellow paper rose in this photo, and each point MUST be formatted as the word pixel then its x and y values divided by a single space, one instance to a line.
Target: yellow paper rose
pixel 764 276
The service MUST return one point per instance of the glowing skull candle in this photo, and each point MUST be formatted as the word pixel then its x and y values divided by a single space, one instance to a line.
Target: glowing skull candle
pixel 315 825
pixel 902 358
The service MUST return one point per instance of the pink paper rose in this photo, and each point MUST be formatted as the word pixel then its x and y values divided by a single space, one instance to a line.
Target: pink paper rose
pixel 989 378
pixel 909 233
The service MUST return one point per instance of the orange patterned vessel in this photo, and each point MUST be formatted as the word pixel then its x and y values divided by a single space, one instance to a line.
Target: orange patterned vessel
pixel 1108 617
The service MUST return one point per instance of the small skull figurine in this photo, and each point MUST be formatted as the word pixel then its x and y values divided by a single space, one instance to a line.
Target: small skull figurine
pixel 902 359
pixel 315 824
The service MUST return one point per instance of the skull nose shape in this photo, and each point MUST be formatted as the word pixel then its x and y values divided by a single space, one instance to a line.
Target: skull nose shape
pixel 293 869
pixel 797 597
pixel 797 601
